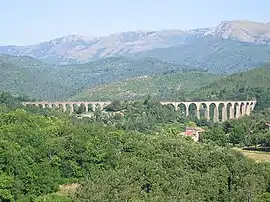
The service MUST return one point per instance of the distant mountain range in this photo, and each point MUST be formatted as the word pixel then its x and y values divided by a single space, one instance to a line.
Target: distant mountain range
pixel 80 49
pixel 132 64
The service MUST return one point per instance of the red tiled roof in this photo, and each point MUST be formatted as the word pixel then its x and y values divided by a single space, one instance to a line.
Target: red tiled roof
pixel 189 133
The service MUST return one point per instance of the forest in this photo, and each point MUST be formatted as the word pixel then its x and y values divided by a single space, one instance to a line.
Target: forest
pixel 48 156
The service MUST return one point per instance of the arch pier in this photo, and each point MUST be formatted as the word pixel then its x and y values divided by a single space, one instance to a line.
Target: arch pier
pixel 217 111
pixel 70 106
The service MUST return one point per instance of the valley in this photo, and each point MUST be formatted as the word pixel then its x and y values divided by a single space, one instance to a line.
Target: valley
pixel 164 115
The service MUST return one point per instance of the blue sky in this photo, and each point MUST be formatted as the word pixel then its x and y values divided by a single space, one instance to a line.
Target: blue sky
pixel 26 22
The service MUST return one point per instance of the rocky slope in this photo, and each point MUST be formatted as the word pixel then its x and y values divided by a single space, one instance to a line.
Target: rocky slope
pixel 246 31
pixel 79 49
pixel 216 54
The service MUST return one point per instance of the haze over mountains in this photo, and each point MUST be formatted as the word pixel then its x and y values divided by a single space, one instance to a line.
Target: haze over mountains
pixel 80 49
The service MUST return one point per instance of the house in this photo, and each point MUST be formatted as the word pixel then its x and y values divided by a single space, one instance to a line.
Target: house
pixel 193 132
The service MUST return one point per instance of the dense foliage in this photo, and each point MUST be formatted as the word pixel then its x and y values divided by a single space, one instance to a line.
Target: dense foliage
pixel 253 84
pixel 27 76
pixel 162 87
pixel 247 131
pixel 39 153
pixel 6 99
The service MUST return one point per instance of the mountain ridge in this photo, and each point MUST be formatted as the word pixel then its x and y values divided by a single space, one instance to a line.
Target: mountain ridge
pixel 80 49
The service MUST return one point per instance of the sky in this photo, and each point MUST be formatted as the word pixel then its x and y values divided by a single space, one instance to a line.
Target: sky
pixel 25 22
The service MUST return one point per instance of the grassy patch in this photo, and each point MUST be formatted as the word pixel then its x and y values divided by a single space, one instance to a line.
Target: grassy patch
pixel 259 156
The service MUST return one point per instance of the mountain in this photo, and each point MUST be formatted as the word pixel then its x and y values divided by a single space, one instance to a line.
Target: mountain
pixel 163 87
pixel 246 31
pixel 28 76
pixel 80 49
pixel 216 54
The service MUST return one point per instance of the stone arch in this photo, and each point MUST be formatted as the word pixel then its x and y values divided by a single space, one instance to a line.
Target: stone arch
pixel 242 109
pixel 222 111
pixel 192 110
pixel 213 109
pixel 75 107
pixel 230 110
pixel 183 109
pixel 203 110
pixel 237 110
pixel 97 106
pixel 81 108
pixel 91 107
pixel 41 106
pixel 62 107
pixel 248 108
pixel 69 108
pixel 47 105
pixel 252 105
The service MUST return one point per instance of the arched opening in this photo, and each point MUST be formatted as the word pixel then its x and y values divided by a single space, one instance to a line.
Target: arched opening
pixel 242 109
pixel 251 106
pixel 90 107
pixel 75 108
pixel 47 106
pixel 203 111
pixel 192 110
pixel 222 112
pixel 68 108
pixel 81 109
pixel 230 111
pixel 182 110
pixel 61 107
pixel 97 107
pixel 40 106
pixel 213 112
pixel 236 110
pixel 248 108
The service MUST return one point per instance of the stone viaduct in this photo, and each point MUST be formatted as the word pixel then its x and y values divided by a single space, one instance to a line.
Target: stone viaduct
pixel 221 110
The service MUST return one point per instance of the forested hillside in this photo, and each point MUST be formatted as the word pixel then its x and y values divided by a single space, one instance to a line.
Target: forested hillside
pixel 162 87
pixel 191 85
pixel 241 86
pixel 27 76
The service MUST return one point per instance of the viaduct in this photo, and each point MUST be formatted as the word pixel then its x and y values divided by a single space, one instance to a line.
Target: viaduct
pixel 222 110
